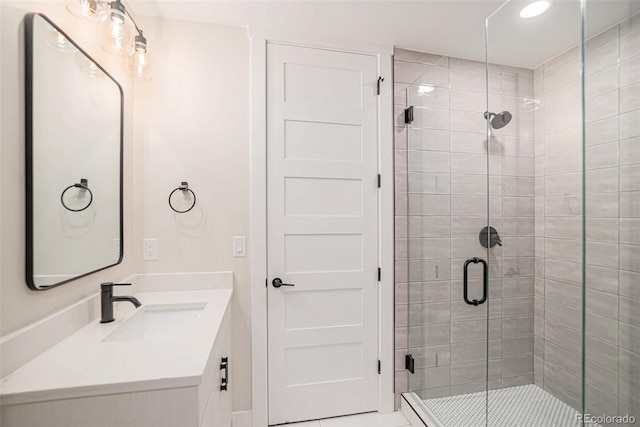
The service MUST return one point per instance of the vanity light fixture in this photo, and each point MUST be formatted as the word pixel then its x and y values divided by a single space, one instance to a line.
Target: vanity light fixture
pixel 88 10
pixel 116 31
pixel 140 58
pixel 534 9
pixel 116 23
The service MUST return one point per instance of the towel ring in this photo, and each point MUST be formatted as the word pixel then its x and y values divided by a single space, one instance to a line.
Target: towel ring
pixel 184 186
pixel 83 185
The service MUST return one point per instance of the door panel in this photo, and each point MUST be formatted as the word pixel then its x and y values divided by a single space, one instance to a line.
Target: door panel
pixel 322 141
pixel 322 233
pixel 323 197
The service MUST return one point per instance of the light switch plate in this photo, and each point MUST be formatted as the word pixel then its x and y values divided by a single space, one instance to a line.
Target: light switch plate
pixel 239 246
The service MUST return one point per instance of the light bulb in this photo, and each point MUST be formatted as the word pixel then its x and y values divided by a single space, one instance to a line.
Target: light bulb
pixel 140 63
pixel 116 31
pixel 140 59
pixel 88 10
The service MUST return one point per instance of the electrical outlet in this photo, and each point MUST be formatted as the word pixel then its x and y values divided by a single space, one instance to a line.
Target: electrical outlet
pixel 149 249
pixel 116 249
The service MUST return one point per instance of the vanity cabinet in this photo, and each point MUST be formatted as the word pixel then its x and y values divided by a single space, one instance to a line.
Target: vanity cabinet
pixel 217 408
pixel 167 383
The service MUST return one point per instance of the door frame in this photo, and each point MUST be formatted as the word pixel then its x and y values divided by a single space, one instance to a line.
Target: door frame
pixel 259 38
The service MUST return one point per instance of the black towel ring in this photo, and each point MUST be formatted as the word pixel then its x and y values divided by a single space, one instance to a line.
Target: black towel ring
pixel 184 186
pixel 83 185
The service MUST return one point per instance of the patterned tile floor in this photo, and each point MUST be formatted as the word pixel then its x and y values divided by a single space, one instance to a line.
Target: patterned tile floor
pixel 522 406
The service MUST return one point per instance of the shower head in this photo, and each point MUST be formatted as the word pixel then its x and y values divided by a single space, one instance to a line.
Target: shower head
pixel 499 120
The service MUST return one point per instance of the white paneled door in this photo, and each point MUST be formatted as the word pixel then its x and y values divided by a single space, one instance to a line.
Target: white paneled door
pixel 322 208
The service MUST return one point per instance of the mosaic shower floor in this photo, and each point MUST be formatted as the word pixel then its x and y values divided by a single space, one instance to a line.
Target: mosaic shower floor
pixel 522 406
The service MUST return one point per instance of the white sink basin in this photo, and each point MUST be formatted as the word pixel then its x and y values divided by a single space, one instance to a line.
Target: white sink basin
pixel 158 322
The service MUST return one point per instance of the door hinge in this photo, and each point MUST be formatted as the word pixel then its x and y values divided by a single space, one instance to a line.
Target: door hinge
pixel 380 80
pixel 378 367
pixel 410 363
pixel 379 180
pixel 408 115
pixel 379 274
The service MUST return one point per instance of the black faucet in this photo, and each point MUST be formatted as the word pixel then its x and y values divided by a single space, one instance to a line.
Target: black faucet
pixel 107 299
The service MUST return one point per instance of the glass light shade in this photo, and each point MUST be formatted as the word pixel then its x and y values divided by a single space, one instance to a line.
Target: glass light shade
pixel 88 10
pixel 140 60
pixel 116 33
pixel 87 66
pixel 56 40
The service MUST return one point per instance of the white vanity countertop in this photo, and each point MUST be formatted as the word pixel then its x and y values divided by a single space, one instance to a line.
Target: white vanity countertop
pixel 83 365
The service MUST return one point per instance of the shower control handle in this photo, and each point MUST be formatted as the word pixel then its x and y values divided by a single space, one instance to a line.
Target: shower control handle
pixel 277 283
pixel 485 283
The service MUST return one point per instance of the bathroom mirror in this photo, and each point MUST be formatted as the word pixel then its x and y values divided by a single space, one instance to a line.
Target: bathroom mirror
pixel 74 134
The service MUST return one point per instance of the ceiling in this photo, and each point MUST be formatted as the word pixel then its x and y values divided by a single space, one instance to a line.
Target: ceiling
pixel 448 27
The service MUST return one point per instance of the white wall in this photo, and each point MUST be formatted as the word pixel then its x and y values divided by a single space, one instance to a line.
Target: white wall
pixel 20 306
pixel 192 124
pixel 2 37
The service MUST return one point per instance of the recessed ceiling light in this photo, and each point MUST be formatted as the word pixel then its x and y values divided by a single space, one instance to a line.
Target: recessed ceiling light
pixel 425 89
pixel 534 9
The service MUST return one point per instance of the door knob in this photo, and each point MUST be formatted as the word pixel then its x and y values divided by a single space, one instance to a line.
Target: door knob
pixel 277 283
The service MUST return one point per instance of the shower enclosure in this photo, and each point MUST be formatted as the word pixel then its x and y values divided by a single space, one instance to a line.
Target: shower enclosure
pixel 518 222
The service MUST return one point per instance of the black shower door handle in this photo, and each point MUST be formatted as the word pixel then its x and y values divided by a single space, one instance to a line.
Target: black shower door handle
pixel 485 282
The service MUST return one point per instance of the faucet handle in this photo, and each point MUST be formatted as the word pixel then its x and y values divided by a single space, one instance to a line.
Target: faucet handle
pixel 109 285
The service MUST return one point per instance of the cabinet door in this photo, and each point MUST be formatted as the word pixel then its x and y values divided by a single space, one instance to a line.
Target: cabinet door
pixel 218 411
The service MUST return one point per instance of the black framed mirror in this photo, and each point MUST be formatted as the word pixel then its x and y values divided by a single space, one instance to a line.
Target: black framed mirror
pixel 74 175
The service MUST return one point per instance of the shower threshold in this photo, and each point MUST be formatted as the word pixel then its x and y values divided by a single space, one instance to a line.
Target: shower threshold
pixel 521 406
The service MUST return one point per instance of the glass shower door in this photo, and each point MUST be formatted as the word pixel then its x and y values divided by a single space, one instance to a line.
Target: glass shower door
pixel 537 83
pixel 443 177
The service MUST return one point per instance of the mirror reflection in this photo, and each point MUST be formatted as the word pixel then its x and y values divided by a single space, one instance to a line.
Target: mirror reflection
pixel 74 167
